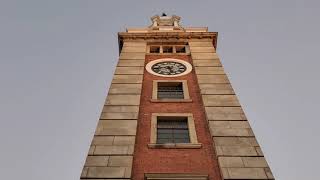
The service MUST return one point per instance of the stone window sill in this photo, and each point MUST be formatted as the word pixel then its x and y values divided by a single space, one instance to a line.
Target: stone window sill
pixel 176 146
pixel 171 100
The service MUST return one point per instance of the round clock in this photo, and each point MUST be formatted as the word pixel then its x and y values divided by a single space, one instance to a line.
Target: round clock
pixel 168 67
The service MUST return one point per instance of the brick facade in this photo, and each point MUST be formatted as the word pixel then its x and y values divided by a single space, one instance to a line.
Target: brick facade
pixel 159 160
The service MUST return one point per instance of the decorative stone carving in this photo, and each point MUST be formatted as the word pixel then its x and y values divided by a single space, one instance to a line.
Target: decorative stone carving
pixel 166 23
pixel 165 20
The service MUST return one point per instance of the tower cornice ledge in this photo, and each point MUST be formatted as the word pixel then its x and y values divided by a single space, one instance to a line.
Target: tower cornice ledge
pixel 169 35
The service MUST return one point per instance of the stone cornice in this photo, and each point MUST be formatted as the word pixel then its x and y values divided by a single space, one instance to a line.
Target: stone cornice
pixel 169 35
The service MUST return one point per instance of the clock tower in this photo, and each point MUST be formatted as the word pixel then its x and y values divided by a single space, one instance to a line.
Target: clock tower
pixel 171 112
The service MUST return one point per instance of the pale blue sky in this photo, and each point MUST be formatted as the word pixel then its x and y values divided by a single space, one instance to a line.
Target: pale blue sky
pixel 57 59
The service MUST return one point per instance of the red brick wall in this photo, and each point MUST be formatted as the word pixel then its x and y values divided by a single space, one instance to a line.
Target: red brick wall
pixel 150 160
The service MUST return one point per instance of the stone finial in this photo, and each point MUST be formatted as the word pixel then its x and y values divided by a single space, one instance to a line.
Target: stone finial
pixel 165 20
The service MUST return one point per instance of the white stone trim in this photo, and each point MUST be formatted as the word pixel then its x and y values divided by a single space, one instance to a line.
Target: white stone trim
pixel 191 128
pixel 186 95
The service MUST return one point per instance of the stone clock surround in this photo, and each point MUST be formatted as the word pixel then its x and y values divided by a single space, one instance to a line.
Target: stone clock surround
pixel 186 64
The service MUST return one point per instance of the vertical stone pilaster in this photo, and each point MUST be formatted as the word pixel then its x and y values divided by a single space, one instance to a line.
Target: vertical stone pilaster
pixel 112 148
pixel 238 153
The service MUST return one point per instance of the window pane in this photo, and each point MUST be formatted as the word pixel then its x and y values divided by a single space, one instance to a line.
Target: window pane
pixel 164 130
pixel 181 131
pixel 180 124
pixel 170 90
pixel 182 140
pixel 154 49
pixel 167 49
pixel 161 136
pixel 181 136
pixel 172 130
pixel 164 124
pixel 162 141
pixel 180 49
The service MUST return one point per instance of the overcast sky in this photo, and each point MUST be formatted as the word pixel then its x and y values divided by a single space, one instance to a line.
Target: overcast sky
pixel 57 60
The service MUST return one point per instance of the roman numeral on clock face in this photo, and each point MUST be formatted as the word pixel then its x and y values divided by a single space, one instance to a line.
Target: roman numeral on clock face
pixel 168 68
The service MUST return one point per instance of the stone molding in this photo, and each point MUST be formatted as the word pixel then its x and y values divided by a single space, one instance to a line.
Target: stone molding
pixel 169 35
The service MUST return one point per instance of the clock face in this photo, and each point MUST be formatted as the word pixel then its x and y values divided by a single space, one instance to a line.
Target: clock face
pixel 169 68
